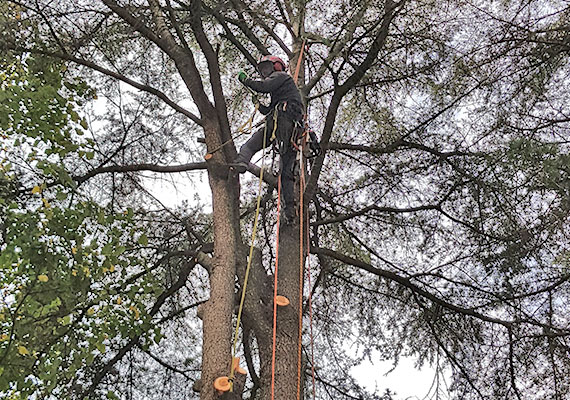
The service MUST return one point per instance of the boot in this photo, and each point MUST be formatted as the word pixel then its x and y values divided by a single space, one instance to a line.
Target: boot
pixel 239 165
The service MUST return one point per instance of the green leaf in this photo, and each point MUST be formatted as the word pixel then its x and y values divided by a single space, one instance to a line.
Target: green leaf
pixel 61 195
pixel 112 396
pixel 107 250
pixel 101 347
pixel 143 240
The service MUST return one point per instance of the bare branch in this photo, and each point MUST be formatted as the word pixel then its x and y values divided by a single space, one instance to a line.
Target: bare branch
pixel 141 167
pixel 286 20
pixel 136 23
pixel 335 50
pixel 112 74
pixel 182 277
pixel 408 284
pixel 242 25
pixel 166 365
pixel 374 207
pixel 232 38
pixel 340 92
pixel 265 27
pixel 214 72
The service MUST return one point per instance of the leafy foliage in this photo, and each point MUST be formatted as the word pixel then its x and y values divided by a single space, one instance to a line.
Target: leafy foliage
pixel 65 259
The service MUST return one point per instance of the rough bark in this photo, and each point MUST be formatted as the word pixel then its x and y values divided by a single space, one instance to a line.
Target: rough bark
pixel 258 316
pixel 217 321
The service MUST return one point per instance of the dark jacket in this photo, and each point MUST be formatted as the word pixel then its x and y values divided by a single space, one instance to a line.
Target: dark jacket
pixel 282 88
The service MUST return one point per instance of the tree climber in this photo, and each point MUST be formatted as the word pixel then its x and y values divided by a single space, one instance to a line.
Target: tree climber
pixel 283 115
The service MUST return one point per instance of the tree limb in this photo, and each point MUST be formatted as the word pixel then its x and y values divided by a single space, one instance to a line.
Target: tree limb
pixel 214 72
pixel 408 284
pixel 375 207
pixel 340 92
pixel 141 167
pixel 112 74
pixel 265 27
pixel 182 277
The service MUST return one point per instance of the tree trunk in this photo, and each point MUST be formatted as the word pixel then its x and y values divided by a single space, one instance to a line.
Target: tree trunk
pixel 290 273
pixel 286 355
pixel 218 310
pixel 258 317
pixel 258 307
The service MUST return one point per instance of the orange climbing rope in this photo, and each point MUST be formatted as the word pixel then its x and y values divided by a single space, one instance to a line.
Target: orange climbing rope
pixel 301 258
pixel 275 291
pixel 301 262
pixel 299 60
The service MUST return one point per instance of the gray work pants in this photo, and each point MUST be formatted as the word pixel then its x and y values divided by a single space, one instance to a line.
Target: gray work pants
pixel 287 153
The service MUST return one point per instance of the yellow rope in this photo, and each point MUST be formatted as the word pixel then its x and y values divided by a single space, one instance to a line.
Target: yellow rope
pixel 249 121
pixel 240 132
pixel 274 125
pixel 253 235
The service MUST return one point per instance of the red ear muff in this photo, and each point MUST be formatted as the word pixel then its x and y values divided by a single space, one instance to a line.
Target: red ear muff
pixel 277 66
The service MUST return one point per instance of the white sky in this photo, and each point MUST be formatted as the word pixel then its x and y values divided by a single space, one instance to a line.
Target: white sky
pixel 407 381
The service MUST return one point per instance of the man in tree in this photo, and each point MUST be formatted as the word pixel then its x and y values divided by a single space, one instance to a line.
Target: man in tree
pixel 283 115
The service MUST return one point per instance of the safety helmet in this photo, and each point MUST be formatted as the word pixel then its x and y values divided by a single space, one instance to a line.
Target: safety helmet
pixel 278 63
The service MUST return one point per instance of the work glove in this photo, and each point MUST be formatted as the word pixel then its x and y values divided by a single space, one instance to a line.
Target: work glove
pixel 242 76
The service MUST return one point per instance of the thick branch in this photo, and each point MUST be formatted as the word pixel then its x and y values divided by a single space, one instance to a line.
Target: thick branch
pixel 401 143
pixel 242 25
pixel 182 277
pixel 112 74
pixel 341 91
pixel 183 58
pixel 336 49
pixel 265 27
pixel 232 38
pixel 214 72
pixel 286 21
pixel 408 284
pixel 136 23
pixel 141 167
pixel 166 365
pixel 375 207
pixel 377 45
pixel 512 365
pixel 268 178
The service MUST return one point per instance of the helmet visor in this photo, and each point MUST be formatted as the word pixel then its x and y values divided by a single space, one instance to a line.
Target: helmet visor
pixel 265 68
